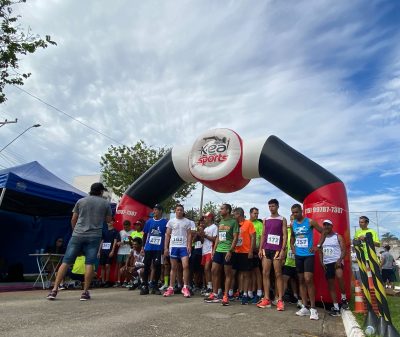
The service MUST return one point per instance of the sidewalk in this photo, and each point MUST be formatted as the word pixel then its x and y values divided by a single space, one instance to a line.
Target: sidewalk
pixel 119 312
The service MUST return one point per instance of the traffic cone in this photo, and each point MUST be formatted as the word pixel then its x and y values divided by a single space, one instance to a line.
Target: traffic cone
pixel 370 281
pixel 358 299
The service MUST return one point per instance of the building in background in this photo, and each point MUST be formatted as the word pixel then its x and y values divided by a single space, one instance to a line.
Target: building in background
pixel 84 182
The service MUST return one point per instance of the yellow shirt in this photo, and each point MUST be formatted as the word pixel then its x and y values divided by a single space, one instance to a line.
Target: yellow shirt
pixel 363 232
pixel 136 234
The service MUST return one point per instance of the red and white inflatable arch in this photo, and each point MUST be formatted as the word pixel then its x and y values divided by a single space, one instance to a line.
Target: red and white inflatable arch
pixel 223 162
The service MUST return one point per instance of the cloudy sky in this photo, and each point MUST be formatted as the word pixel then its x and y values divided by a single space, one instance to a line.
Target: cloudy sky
pixel 324 76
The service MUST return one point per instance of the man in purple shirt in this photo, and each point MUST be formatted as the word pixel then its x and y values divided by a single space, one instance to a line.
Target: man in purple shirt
pixel 272 251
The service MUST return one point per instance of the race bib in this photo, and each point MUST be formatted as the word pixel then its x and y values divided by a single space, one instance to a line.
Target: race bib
pixel 239 242
pixel 302 242
pixel 290 254
pixel 106 245
pixel 273 239
pixel 176 241
pixel 198 245
pixel 155 240
pixel 328 251
pixel 222 236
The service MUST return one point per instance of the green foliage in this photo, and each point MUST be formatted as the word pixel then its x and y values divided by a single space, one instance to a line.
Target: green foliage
pixel 388 237
pixel 15 42
pixel 122 165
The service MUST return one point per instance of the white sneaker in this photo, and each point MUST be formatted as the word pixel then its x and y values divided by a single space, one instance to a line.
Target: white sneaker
pixel 299 304
pixel 275 302
pixel 303 312
pixel 314 314
pixel 164 287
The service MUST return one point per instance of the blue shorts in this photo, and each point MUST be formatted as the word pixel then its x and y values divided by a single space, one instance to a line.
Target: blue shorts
pixel 178 252
pixel 89 246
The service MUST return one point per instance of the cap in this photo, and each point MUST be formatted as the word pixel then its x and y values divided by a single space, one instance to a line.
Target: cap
pixel 209 215
pixel 158 206
pixel 328 222
pixel 138 222
pixel 97 187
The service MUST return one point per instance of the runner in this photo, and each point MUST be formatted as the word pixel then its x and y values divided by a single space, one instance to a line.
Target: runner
pixel 302 244
pixel 210 235
pixel 256 277
pixel 154 233
pixel 331 254
pixel 273 251
pixel 178 245
pixel 243 256
pixel 228 232
pixel 123 251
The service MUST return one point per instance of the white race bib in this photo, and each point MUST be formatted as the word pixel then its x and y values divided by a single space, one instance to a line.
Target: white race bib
pixel 176 241
pixel 198 245
pixel 222 236
pixel 155 240
pixel 302 242
pixel 328 251
pixel 291 255
pixel 239 242
pixel 273 239
pixel 106 245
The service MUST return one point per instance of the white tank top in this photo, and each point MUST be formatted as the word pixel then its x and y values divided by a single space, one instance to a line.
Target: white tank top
pixel 331 249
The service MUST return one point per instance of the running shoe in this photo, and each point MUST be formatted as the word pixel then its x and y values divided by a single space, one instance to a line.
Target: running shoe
pixel 61 287
pixel 85 296
pixel 186 292
pixel 264 303
pixel 245 300
pixel 177 290
pixel 299 304
pixel 117 285
pixel 225 301
pixel 52 295
pixel 303 312
pixel 237 295
pixel 280 305
pixel 274 302
pixel 207 292
pixel 212 299
pixel 344 305
pixel 314 314
pixel 292 300
pixel 144 290
pixel 255 299
pixel 155 291
pixel 334 312
pixel 164 287
pixel 169 292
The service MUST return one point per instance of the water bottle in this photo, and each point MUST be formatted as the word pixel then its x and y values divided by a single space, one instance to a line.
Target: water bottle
pixel 370 331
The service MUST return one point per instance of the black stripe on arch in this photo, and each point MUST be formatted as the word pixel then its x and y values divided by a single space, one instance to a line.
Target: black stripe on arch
pixel 157 183
pixel 290 171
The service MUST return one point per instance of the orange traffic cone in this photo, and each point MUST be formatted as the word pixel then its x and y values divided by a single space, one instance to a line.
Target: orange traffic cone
pixel 370 281
pixel 359 306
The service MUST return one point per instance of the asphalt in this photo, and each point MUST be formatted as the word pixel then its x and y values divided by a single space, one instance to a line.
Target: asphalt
pixel 119 312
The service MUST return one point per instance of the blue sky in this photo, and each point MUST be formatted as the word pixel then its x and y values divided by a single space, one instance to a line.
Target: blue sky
pixel 323 76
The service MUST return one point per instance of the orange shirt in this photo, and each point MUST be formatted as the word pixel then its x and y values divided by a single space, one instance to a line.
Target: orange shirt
pixel 243 245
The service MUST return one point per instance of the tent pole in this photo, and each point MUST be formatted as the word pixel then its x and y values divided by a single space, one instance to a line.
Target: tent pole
pixel 3 191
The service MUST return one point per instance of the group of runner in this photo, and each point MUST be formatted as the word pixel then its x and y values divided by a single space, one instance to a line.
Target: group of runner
pixel 241 257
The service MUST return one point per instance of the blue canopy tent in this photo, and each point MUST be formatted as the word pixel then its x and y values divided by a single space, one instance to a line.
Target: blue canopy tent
pixel 35 209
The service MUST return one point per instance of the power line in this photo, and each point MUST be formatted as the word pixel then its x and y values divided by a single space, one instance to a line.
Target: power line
pixel 69 116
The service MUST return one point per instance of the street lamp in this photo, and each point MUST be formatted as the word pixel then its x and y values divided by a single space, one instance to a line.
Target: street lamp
pixel 33 126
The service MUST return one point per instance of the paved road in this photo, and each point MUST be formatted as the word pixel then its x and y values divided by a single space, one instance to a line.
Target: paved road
pixel 119 312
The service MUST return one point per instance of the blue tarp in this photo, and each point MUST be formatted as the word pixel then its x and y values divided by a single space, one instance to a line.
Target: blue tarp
pixel 31 189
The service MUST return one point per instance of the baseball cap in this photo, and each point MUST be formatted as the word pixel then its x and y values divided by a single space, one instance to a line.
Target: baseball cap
pixel 158 206
pixel 209 215
pixel 328 222
pixel 97 187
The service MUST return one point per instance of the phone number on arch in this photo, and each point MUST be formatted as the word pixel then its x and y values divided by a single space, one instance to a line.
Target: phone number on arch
pixel 324 209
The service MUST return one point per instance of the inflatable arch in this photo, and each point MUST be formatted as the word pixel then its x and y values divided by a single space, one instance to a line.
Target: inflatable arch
pixel 223 162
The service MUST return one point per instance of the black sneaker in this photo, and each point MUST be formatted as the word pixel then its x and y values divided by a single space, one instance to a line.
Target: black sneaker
pixel 334 312
pixel 85 296
pixel 177 290
pixel 144 290
pixel 52 295
pixel 155 291
pixel 344 305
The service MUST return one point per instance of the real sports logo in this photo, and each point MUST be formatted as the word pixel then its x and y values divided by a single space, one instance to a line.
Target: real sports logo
pixel 214 150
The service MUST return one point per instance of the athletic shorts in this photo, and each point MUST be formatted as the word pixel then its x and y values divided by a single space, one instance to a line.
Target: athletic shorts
pixel 289 271
pixel 241 262
pixel 220 259
pixel 105 258
pixel 255 262
pixel 330 270
pixel 195 262
pixel 388 275
pixel 152 256
pixel 178 252
pixel 122 258
pixel 270 254
pixel 206 258
pixel 88 245
pixel 304 264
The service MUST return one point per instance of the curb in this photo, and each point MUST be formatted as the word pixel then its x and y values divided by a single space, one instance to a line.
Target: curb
pixel 350 325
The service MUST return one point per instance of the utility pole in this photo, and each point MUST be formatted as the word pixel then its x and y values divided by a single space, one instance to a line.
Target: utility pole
pixel 7 122
pixel 201 201
pixel 377 223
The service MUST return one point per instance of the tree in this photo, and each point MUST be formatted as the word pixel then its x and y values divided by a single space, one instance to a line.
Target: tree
pixel 122 165
pixel 388 237
pixel 14 42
